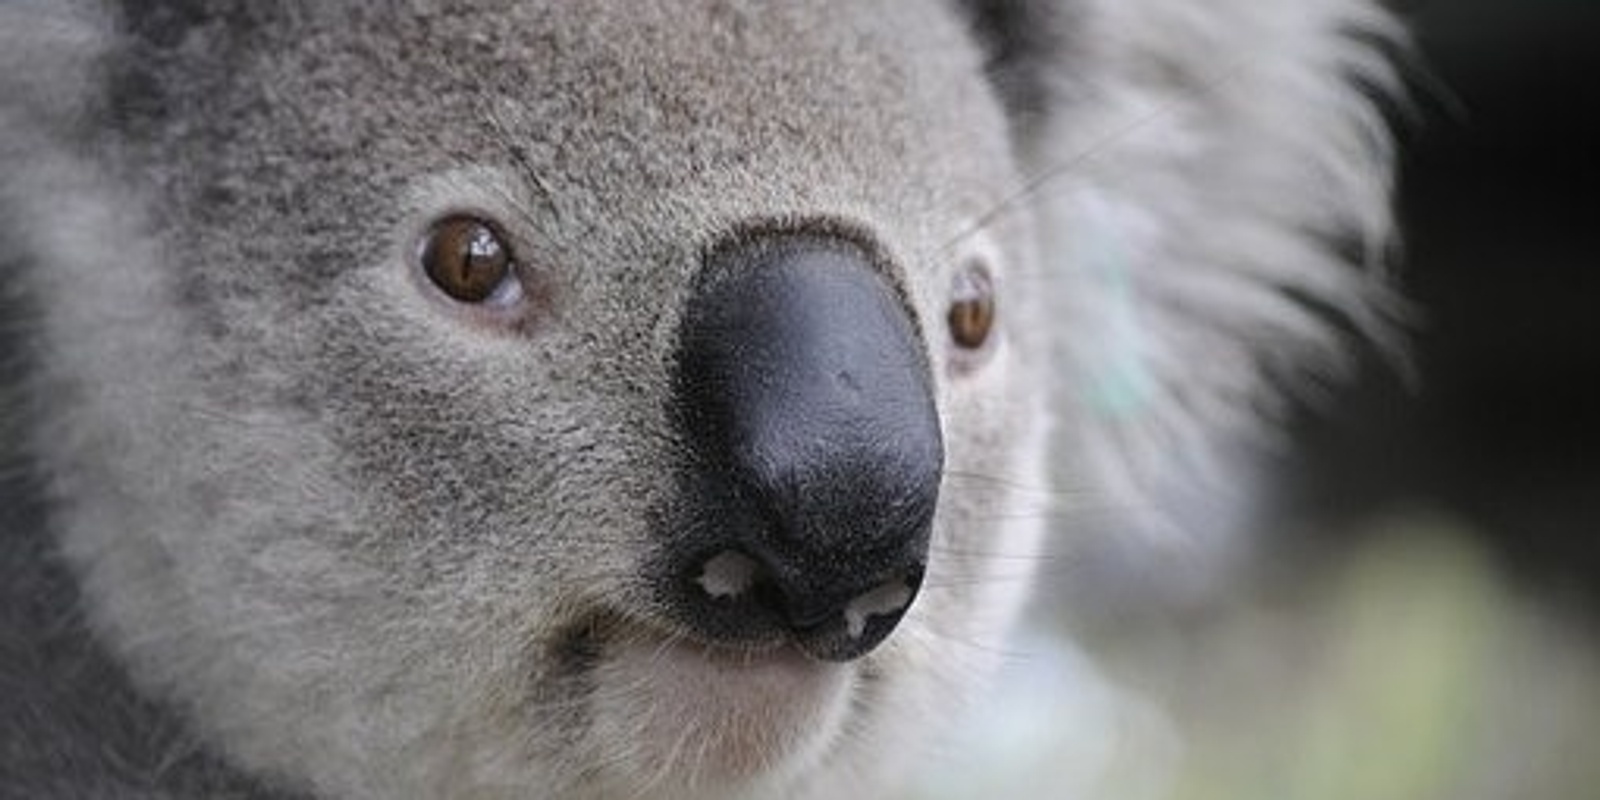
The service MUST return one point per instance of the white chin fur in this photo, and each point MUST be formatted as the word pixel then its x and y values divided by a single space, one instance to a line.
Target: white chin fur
pixel 703 722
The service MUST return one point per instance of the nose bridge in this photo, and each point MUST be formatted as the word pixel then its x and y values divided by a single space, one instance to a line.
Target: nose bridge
pixel 805 395
pixel 800 371
pixel 820 372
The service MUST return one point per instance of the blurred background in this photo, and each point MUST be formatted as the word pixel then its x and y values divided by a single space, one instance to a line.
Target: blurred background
pixel 1500 213
pixel 1418 616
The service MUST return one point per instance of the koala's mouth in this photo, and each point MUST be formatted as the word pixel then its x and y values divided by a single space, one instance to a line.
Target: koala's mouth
pixel 724 714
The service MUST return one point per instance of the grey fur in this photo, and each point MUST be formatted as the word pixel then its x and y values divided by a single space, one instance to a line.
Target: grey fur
pixel 277 521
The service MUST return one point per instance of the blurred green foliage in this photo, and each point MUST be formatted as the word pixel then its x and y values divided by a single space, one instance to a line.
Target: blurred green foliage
pixel 1408 670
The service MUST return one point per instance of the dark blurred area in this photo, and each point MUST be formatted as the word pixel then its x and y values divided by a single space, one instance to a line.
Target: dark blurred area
pixel 1500 216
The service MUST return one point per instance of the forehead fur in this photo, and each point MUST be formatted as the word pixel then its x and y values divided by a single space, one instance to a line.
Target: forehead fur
pixel 648 122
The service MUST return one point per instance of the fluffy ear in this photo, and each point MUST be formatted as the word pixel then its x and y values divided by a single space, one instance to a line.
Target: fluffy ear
pixel 1212 185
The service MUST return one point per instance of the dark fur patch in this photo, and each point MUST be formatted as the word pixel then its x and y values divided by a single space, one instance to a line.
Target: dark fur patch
pixel 1018 36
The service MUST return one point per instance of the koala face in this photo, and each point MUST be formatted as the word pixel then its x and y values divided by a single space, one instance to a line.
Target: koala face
pixel 479 399
pixel 522 398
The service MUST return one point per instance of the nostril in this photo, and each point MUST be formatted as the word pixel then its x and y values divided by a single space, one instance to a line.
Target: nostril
pixel 732 580
pixel 728 574
pixel 889 599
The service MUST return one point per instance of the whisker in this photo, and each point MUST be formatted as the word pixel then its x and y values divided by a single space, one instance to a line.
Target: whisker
pixel 519 156
pixel 1091 150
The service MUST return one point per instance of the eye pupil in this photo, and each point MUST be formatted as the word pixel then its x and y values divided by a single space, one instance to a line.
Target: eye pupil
pixel 972 308
pixel 465 258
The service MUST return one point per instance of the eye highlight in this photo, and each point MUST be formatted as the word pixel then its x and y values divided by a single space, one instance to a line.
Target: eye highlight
pixel 467 259
pixel 972 307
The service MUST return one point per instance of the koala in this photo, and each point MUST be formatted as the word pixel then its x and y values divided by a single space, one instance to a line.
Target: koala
pixel 536 399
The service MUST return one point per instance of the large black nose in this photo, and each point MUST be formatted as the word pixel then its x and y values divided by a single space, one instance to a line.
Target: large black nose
pixel 804 395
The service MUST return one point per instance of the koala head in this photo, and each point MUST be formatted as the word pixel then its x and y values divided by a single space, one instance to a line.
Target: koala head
pixel 492 395
pixel 478 398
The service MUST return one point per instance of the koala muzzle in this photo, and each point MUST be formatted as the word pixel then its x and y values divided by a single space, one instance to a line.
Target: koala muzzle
pixel 804 395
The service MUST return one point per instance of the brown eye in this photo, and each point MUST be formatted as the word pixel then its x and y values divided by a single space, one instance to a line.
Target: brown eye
pixel 971 307
pixel 466 258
